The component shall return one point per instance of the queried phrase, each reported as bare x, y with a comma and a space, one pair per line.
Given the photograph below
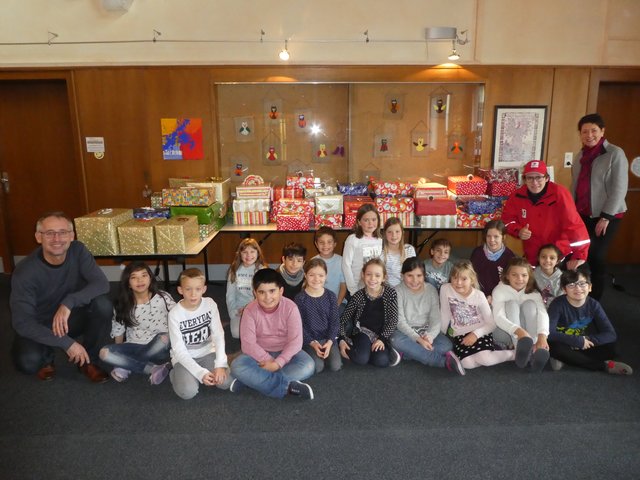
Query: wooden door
619, 105
38, 158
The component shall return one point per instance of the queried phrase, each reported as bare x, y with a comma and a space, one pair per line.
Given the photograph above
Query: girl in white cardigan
521, 316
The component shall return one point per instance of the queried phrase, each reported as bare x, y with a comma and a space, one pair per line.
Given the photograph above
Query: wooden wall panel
112, 104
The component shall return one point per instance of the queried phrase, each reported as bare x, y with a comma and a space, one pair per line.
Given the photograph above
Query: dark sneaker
453, 363
236, 386
301, 390
159, 373
539, 359
47, 373
394, 357
523, 351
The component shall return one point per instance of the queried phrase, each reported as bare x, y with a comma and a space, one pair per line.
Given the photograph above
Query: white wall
514, 32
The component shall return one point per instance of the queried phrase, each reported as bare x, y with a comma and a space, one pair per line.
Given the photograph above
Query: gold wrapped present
136, 236
177, 234
99, 230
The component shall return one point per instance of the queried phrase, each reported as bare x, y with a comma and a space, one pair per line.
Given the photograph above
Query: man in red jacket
542, 212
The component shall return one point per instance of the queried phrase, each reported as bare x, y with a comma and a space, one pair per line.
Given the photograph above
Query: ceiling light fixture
284, 53
454, 53
445, 34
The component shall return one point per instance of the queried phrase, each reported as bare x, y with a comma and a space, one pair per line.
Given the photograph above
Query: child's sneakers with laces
120, 374
301, 390
618, 368
453, 363
159, 373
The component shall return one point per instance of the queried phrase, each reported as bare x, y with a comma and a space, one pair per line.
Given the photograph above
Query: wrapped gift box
349, 220
329, 204
317, 191
137, 236
430, 190
295, 206
351, 203
250, 218
99, 230
498, 175
389, 189
187, 197
474, 220
501, 189
293, 222
251, 205
467, 185
204, 230
333, 221
394, 204
177, 234
353, 189
301, 181
478, 204
287, 192
150, 212
205, 215
438, 221
436, 206
220, 186
254, 191
156, 200
407, 218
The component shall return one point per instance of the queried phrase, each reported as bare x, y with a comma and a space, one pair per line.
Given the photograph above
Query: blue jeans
412, 350
272, 384
360, 352
135, 357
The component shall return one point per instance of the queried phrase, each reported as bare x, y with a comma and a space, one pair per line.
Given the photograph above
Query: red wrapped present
293, 222
349, 220
430, 190
294, 206
501, 189
498, 175
436, 206
467, 185
352, 203
301, 181
329, 220
287, 192
407, 218
394, 204
390, 189
475, 220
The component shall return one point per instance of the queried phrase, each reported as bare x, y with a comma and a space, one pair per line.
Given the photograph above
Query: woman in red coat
541, 212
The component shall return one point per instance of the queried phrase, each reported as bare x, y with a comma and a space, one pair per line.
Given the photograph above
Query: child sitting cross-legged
418, 336
197, 339
580, 331
272, 361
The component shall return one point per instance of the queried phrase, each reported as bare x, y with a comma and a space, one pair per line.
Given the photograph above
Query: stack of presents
304, 201
179, 217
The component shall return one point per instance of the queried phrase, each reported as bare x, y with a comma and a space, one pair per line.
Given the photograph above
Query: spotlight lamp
284, 53
446, 34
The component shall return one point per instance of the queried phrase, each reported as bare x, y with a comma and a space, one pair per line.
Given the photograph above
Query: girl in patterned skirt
466, 314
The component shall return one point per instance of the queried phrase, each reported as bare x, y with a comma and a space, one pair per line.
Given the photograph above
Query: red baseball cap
535, 166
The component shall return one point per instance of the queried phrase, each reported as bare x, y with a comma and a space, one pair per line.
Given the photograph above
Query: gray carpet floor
405, 422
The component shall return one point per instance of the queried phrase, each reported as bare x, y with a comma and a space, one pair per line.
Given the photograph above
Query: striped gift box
250, 218
407, 218
438, 221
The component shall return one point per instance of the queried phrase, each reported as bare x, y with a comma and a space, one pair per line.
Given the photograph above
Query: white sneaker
394, 357
120, 374
555, 364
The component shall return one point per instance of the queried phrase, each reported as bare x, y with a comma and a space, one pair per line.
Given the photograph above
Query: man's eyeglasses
536, 178
581, 284
49, 234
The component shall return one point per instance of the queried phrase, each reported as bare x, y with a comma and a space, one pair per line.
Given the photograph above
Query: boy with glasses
59, 293
580, 331
542, 212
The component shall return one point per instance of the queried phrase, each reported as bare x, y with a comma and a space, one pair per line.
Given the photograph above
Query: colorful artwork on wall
182, 138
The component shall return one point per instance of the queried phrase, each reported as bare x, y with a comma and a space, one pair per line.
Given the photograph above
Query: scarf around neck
493, 256
291, 280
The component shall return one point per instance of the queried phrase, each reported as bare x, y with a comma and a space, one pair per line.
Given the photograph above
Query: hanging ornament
384, 147
271, 153
322, 151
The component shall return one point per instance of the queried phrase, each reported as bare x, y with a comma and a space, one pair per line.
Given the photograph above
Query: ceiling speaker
116, 5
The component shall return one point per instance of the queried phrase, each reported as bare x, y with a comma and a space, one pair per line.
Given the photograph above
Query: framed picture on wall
518, 135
